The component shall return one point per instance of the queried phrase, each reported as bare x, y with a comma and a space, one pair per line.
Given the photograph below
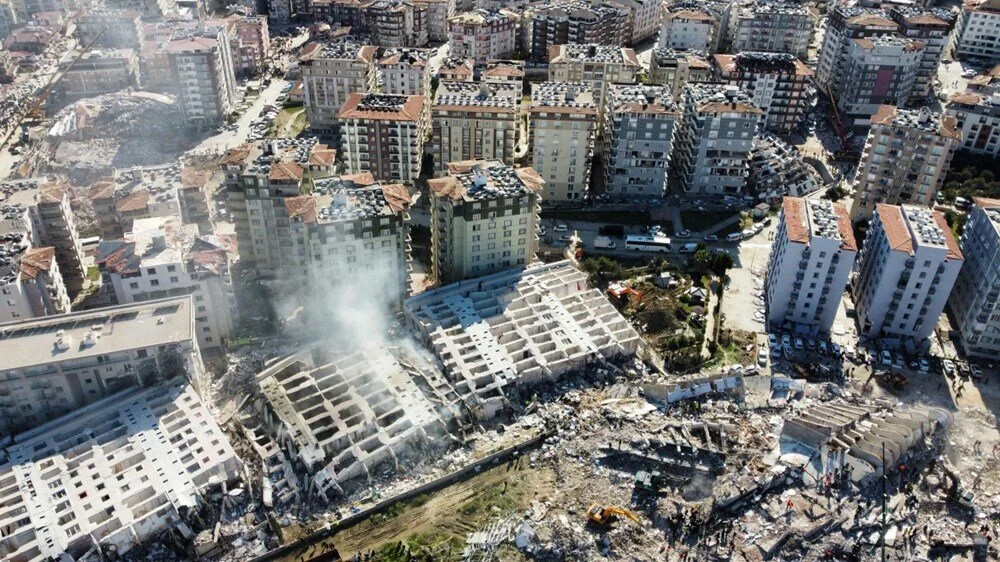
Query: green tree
721, 263
835, 193
702, 261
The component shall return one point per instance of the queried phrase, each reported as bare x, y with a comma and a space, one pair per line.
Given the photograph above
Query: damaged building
520, 326
115, 474
343, 413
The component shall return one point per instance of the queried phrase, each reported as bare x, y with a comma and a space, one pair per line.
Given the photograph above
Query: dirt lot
438, 524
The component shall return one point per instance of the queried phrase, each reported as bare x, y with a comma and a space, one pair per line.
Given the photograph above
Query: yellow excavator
604, 515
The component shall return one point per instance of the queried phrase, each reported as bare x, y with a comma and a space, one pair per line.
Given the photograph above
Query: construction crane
604, 515
35, 111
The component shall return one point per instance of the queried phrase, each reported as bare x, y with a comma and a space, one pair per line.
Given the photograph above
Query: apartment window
155, 283
133, 285
151, 271
171, 268
174, 279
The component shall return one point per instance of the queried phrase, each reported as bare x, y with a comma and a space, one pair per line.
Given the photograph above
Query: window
133, 285
151, 271
155, 283
174, 279
171, 268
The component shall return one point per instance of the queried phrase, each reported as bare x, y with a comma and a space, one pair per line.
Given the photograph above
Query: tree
835, 193
702, 261
721, 263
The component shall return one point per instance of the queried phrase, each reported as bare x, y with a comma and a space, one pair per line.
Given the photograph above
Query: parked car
786, 339
798, 344
948, 367
711, 237
561, 228
836, 348
823, 347
977, 371
762, 356
772, 339
886, 358
811, 344
923, 365
565, 238
683, 234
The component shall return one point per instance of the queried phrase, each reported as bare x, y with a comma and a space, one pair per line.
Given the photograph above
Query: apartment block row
977, 114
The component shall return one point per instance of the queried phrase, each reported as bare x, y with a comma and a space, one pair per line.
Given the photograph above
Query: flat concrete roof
132, 326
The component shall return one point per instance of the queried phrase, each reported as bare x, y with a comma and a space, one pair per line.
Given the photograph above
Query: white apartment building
437, 14
474, 122
977, 33
809, 266
687, 29
772, 27
384, 134
330, 73
202, 65
563, 118
159, 258
503, 71
977, 114
844, 24
639, 127
404, 71
594, 65
675, 68
483, 34
644, 17
905, 159
715, 139
30, 283
54, 365
933, 28
973, 300
454, 68
484, 219
111, 476
906, 269
879, 70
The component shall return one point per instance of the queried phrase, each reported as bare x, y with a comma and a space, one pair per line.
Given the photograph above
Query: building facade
474, 122
563, 118
573, 22
905, 159
384, 134
715, 139
483, 34
484, 219
687, 29
404, 72
977, 117
201, 62
809, 266
594, 65
101, 72
778, 83
773, 28
973, 300
639, 127
31, 285
330, 73
674, 69
976, 33
906, 269
877, 71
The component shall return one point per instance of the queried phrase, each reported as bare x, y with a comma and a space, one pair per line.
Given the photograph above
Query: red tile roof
36, 260
410, 110
894, 225
285, 171
954, 252
848, 242
302, 207
796, 225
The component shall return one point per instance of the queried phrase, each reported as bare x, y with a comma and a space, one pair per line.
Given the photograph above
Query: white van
689, 248
734, 237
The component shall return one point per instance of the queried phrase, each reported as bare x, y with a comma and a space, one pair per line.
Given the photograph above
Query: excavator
604, 515
957, 495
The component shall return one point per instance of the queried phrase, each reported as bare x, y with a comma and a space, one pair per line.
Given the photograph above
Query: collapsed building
342, 413
861, 440
777, 170
521, 326
112, 475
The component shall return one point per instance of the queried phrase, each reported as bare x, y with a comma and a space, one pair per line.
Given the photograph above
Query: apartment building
687, 29
778, 83
484, 219
31, 285
977, 114
457, 69
404, 72
138, 193
639, 125
503, 71
906, 269
714, 140
53, 225
843, 26
905, 159
251, 44
54, 365
438, 12
772, 27
161, 257
880, 70
201, 63
973, 300
259, 179
778, 170
384, 134
933, 28
483, 34
977, 33
330, 73
811, 260
474, 122
675, 68
168, 454
643, 19
573, 22
111, 29
594, 65
396, 23
101, 72
563, 118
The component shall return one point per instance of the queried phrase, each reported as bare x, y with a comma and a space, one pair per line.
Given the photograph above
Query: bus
643, 243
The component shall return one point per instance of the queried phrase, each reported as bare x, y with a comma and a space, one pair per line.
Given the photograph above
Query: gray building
714, 140
638, 138
974, 297
773, 27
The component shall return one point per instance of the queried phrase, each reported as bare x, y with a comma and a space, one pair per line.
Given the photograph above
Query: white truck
689, 248
604, 242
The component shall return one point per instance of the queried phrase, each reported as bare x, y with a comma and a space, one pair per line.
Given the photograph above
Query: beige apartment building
404, 71
484, 217
101, 72
474, 121
330, 73
595, 65
905, 159
201, 62
563, 119
384, 134
483, 34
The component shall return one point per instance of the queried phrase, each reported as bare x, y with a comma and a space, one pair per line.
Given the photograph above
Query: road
225, 140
